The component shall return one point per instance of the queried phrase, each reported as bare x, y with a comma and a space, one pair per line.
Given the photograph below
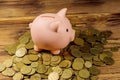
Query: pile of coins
78, 61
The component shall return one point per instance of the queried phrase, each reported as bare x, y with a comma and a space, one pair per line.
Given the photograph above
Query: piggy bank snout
72, 35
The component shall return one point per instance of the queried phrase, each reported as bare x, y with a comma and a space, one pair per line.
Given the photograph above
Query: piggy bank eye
66, 30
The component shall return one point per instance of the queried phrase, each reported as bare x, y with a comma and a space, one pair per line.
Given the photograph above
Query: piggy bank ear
62, 12
55, 26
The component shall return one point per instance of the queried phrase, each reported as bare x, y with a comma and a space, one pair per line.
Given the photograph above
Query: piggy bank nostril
67, 30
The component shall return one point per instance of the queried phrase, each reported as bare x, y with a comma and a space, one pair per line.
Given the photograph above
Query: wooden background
15, 15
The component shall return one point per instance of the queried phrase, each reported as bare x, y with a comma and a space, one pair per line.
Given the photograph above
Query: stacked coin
78, 61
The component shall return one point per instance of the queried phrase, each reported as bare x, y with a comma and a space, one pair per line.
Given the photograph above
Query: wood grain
23, 8
15, 15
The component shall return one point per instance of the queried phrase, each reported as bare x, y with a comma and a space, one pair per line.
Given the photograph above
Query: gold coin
11, 48
32, 51
8, 72
41, 68
15, 68
35, 77
68, 56
32, 71
49, 71
16, 59
18, 76
21, 52
43, 76
102, 56
88, 64
8, 63
77, 64
46, 57
84, 73
2, 67
79, 41
32, 57
25, 38
55, 60
25, 60
94, 70
65, 63
67, 73
94, 78
57, 69
26, 70
34, 64
53, 76
29, 45
19, 65
20, 46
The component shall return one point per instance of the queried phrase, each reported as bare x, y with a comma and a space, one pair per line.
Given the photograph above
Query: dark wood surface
15, 15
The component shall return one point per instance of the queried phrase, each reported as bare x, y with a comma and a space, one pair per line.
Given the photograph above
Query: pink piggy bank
51, 31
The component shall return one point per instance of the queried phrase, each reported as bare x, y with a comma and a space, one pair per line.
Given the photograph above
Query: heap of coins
78, 61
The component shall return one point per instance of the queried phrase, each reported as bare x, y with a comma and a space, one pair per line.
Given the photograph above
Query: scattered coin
19, 65
25, 60
77, 64
20, 46
32, 71
35, 77
29, 45
108, 53
57, 69
33, 57
53, 76
76, 53
98, 63
67, 73
21, 52
79, 41
95, 51
94, 70
2, 67
67, 56
55, 60
87, 56
65, 64
49, 71
18, 76
41, 68
34, 64
8, 63
46, 58
11, 49
26, 70
108, 60
8, 72
84, 73
94, 78
88, 64
102, 56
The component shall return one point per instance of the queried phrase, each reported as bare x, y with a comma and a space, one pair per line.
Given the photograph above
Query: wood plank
20, 8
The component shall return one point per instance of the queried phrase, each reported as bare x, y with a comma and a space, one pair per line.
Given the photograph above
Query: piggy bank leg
36, 48
55, 51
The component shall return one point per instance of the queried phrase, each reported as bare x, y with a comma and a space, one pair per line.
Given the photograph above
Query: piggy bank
51, 31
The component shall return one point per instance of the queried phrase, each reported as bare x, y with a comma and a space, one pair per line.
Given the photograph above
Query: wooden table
15, 15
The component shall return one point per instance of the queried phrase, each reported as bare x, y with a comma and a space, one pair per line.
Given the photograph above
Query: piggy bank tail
30, 25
